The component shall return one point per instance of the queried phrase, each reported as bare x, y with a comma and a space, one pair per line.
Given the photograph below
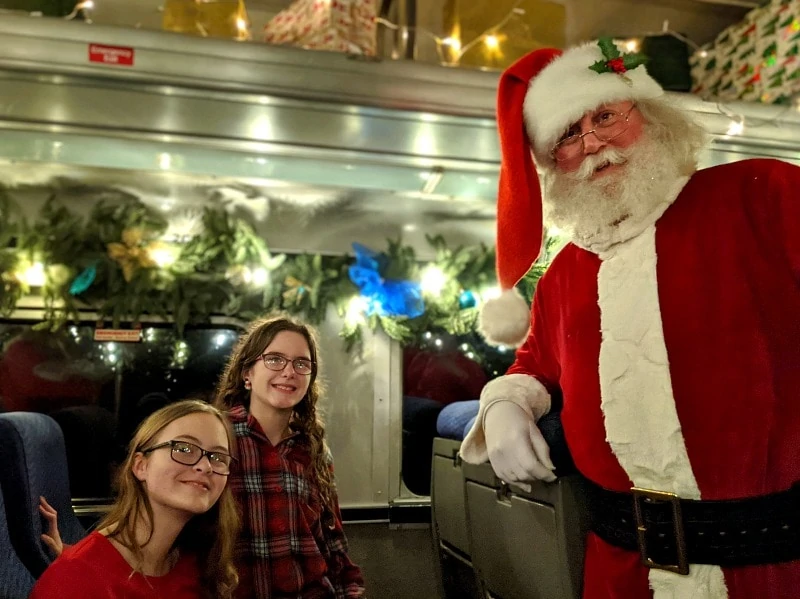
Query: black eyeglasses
190, 454
278, 362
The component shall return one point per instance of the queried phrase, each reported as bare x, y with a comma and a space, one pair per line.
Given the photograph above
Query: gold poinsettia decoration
133, 253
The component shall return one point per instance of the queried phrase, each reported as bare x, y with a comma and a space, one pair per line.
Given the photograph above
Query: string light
432, 280
80, 6
452, 43
33, 275
736, 127
491, 42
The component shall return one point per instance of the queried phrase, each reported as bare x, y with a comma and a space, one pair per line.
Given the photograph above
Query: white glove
517, 450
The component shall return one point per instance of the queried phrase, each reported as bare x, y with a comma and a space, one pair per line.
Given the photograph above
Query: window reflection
99, 392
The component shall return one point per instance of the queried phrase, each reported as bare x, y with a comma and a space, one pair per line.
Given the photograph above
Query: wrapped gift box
753, 60
336, 25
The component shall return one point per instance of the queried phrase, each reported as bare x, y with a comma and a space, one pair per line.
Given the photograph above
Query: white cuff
521, 389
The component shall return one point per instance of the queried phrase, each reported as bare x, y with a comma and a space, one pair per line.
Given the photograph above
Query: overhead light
432, 180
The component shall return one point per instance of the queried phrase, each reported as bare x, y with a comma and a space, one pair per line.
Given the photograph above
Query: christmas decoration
105, 262
338, 25
615, 61
753, 60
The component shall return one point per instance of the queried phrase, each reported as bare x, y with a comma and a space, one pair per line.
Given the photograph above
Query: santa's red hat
538, 98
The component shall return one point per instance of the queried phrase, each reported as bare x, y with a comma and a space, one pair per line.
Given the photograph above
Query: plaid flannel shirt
285, 550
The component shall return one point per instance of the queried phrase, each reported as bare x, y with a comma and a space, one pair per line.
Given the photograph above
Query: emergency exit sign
112, 55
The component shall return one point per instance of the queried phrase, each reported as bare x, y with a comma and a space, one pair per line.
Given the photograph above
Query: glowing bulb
453, 42
703, 54
433, 280
163, 255
241, 24
491, 42
736, 128
260, 276
632, 45
354, 314
164, 161
34, 275
438, 342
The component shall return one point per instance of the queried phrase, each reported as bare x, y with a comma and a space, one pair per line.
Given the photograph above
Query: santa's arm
773, 202
525, 384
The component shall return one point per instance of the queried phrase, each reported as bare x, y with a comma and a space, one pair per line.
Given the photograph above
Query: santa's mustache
592, 162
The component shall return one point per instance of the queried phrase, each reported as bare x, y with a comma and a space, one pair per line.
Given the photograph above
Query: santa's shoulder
745, 170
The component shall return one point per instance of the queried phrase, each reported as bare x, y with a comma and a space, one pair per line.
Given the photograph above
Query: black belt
670, 533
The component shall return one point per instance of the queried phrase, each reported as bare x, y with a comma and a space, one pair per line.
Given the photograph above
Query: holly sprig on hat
615, 61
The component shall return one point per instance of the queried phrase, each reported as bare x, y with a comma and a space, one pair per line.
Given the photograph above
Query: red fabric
94, 569
519, 200
729, 290
442, 376
21, 389
286, 551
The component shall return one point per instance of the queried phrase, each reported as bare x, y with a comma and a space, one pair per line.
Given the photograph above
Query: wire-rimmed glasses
608, 124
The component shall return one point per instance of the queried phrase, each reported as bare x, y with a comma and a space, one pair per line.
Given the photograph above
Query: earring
247, 384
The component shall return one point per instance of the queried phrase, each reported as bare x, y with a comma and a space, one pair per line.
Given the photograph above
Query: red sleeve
537, 355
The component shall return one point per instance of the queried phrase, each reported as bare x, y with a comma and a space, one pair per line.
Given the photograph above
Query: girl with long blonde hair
172, 531
293, 543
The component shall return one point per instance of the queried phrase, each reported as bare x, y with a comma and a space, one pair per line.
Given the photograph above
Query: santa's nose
591, 143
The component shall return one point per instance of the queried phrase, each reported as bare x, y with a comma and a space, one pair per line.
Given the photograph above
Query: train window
443, 370
99, 391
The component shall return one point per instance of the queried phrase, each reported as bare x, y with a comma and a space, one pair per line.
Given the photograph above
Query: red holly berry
617, 65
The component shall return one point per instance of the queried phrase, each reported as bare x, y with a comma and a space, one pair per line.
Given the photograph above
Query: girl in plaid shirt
293, 545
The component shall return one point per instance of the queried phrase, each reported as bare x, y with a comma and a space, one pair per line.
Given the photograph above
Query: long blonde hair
305, 418
210, 536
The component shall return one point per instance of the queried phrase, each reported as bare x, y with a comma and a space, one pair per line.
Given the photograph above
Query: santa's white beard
615, 206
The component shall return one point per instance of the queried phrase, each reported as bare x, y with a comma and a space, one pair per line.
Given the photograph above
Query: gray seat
35, 464
449, 525
16, 581
526, 545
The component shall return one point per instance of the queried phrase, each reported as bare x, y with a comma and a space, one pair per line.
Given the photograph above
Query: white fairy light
356, 307
34, 275
432, 280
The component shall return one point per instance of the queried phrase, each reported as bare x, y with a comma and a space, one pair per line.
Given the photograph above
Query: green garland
106, 262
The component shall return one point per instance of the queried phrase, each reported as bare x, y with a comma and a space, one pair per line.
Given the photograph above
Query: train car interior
119, 116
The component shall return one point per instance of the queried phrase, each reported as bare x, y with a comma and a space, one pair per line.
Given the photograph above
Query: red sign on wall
115, 55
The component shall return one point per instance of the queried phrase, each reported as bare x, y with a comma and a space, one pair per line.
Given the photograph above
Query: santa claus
670, 325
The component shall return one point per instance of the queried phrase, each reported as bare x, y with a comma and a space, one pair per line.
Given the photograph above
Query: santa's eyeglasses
607, 125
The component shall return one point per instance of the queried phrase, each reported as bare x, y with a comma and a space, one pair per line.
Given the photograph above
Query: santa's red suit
677, 352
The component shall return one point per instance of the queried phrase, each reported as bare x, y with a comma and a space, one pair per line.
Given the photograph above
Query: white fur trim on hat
566, 89
505, 320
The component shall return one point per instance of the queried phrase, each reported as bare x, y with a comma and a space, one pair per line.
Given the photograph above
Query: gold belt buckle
652, 496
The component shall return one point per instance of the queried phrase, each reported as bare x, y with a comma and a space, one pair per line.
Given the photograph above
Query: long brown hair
305, 418
210, 536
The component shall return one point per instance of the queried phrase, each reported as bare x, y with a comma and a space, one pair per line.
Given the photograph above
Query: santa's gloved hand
517, 450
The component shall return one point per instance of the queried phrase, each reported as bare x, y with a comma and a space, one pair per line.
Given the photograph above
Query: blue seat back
16, 581
35, 464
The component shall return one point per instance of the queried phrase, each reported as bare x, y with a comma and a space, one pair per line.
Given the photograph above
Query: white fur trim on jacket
637, 401
566, 89
521, 389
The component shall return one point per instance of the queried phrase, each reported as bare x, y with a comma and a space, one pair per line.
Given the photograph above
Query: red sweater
94, 569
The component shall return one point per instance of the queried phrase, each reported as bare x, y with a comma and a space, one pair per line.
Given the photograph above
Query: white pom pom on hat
538, 98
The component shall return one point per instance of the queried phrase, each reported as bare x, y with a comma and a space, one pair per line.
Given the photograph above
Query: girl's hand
52, 538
